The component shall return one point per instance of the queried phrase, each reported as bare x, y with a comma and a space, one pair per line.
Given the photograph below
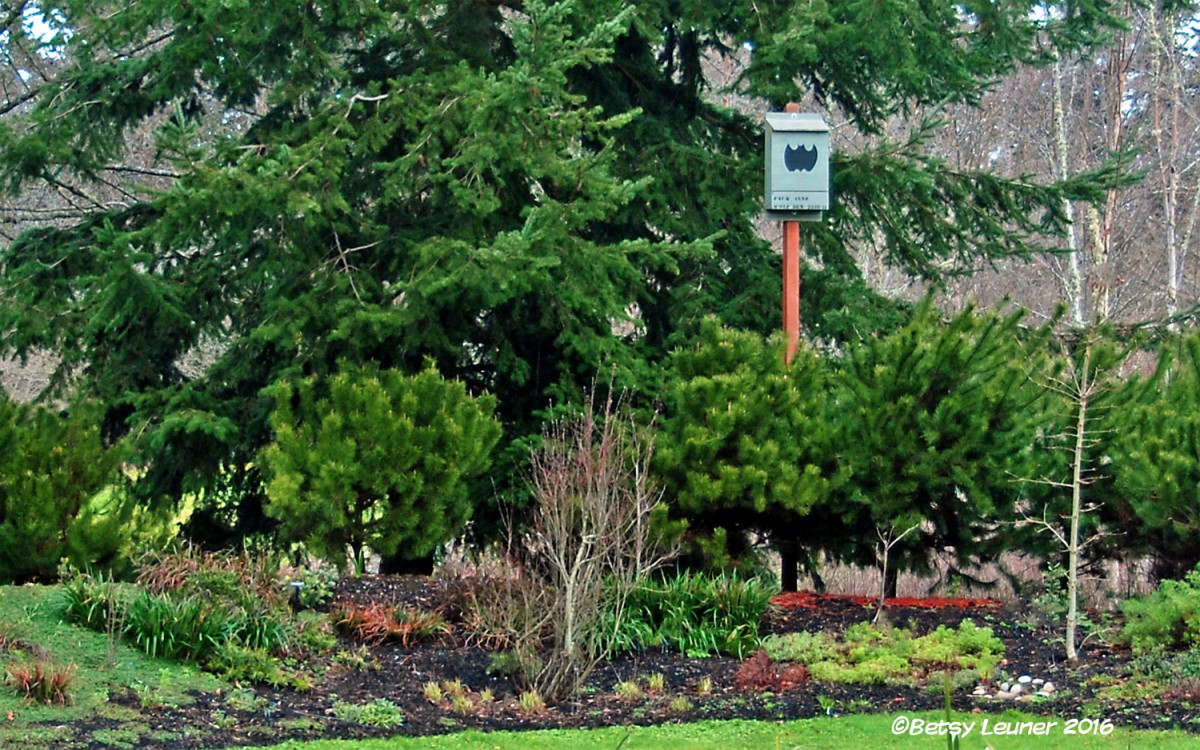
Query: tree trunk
1074, 281
1101, 224
890, 581
1162, 49
789, 565
397, 565
1077, 481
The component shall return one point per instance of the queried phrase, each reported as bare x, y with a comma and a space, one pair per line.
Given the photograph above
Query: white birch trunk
1074, 280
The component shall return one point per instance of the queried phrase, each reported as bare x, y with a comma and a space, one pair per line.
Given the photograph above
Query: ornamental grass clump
379, 623
183, 629
42, 682
531, 702
696, 614
629, 691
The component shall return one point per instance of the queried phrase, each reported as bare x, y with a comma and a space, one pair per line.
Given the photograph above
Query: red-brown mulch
814, 600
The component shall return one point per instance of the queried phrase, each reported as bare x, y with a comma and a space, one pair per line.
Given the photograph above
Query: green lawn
32, 616
858, 732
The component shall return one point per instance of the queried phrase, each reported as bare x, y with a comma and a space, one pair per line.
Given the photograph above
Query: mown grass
32, 615
857, 731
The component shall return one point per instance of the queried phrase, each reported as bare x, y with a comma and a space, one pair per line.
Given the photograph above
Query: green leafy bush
504, 664
1186, 663
50, 467
696, 614
1167, 619
238, 663
312, 633
217, 584
317, 581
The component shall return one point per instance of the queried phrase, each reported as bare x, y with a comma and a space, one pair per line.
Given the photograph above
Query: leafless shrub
560, 595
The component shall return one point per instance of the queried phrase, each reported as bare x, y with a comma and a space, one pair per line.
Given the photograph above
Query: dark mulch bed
399, 675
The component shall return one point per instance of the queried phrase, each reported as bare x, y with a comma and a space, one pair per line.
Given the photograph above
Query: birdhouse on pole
797, 166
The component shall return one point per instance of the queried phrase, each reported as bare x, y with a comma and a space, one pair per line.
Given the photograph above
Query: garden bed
388, 682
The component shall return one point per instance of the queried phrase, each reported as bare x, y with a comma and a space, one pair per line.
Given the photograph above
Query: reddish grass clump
1186, 689
376, 623
759, 674
42, 683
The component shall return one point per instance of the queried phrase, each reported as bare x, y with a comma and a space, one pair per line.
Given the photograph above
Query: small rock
1018, 689
981, 690
1048, 687
1038, 682
1024, 679
1005, 687
1005, 695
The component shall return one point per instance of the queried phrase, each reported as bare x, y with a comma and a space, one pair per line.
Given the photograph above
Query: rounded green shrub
1167, 619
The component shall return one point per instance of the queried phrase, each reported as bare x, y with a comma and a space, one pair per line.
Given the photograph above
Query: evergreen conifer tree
744, 441
1154, 463
935, 423
525, 193
376, 459
50, 467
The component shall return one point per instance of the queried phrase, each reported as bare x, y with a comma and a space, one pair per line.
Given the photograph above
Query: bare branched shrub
561, 598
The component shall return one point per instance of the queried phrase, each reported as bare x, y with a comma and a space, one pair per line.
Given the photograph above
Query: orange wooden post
791, 287
791, 275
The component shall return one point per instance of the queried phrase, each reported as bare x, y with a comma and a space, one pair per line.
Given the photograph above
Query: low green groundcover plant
377, 713
871, 655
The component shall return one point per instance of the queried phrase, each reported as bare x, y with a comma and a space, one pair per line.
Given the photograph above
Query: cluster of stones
1024, 688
